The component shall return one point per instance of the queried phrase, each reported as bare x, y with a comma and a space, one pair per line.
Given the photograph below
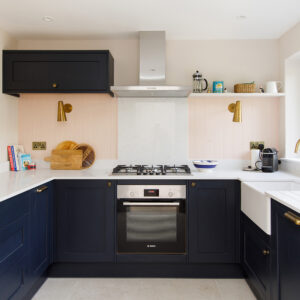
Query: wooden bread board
65, 159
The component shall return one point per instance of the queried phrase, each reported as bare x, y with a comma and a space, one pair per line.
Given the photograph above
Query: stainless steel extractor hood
152, 75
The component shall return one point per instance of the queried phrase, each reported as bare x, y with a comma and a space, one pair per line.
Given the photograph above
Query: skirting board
145, 270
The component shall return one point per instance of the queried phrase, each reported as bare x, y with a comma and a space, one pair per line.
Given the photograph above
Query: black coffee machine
269, 158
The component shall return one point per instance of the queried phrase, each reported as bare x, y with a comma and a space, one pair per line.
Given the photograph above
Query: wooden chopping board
88, 157
65, 159
66, 145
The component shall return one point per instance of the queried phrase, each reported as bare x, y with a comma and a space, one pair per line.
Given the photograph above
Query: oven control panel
151, 191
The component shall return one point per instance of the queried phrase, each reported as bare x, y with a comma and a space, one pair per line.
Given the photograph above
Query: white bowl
205, 165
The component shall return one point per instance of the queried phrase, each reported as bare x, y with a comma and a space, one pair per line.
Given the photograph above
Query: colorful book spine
10, 158
14, 157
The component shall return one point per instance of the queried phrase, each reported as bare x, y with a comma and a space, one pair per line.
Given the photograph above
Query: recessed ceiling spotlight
241, 17
48, 19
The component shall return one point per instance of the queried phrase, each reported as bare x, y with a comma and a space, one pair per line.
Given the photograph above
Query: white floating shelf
234, 95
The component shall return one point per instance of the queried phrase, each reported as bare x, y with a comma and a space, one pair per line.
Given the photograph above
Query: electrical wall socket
254, 145
39, 145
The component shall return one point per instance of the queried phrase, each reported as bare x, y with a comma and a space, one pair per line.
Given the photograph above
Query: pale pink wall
213, 135
93, 121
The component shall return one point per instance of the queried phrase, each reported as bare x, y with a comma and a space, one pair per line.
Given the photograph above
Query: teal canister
218, 86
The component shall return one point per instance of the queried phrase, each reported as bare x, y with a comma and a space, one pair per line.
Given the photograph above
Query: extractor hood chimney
152, 75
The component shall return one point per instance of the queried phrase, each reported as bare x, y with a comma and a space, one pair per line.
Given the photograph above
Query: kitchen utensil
218, 86
65, 159
66, 145
273, 87
88, 157
197, 83
205, 165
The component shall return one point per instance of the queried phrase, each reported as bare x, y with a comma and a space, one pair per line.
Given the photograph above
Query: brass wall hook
236, 109
62, 110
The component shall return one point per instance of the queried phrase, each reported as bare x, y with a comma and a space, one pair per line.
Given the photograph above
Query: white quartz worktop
14, 183
290, 199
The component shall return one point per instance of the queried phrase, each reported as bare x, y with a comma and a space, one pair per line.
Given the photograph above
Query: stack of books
19, 161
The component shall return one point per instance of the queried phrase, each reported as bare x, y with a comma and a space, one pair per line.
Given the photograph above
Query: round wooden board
88, 155
66, 145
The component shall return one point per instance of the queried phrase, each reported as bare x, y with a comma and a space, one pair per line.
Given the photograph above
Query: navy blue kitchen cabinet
64, 71
213, 213
85, 221
14, 246
41, 215
25, 242
285, 253
255, 257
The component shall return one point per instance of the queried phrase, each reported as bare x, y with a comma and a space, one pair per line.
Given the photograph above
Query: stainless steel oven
151, 219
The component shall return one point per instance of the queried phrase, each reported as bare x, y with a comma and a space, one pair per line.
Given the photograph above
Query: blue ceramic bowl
205, 165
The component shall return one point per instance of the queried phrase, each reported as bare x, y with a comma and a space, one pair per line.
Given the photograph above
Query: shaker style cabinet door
40, 229
57, 71
286, 249
213, 213
14, 246
85, 218
255, 257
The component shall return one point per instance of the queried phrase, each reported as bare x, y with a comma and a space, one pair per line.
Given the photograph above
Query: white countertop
290, 199
14, 183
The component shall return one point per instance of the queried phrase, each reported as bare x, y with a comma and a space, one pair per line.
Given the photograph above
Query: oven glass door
151, 226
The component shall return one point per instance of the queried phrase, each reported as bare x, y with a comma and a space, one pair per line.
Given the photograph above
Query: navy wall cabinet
214, 221
85, 218
255, 257
14, 246
29, 71
40, 230
285, 253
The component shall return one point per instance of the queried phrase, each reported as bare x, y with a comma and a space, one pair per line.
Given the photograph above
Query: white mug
272, 87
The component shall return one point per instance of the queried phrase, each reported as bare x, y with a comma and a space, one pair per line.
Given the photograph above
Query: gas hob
151, 170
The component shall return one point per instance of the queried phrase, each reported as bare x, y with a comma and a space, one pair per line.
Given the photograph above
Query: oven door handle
151, 203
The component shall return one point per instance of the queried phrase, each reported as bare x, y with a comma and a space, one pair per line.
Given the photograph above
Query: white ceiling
189, 19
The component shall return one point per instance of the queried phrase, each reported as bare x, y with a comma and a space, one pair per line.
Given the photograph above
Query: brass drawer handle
266, 252
41, 189
292, 217
109, 184
54, 85
193, 184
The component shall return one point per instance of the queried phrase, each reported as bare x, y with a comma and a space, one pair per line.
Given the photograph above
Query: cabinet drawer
13, 280
14, 208
14, 242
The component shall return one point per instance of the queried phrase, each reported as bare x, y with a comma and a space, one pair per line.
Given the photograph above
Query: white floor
143, 289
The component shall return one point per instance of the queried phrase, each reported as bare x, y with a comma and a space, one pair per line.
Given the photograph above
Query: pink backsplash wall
93, 121
212, 134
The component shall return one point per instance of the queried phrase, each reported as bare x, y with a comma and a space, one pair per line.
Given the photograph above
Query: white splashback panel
152, 131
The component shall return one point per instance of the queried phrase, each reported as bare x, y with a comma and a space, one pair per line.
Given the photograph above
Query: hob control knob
171, 194
131, 194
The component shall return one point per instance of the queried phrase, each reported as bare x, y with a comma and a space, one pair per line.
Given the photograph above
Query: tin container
218, 86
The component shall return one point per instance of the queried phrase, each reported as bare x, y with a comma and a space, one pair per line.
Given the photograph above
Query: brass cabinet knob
41, 189
54, 85
292, 217
266, 252
109, 184
193, 184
